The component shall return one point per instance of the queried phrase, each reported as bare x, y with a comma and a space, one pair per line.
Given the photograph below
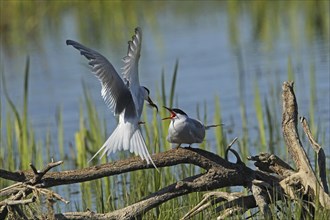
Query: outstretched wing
131, 60
114, 92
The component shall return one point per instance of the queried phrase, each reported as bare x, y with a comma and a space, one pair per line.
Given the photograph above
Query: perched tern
124, 96
185, 130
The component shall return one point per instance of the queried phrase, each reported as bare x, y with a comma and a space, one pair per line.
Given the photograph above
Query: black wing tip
69, 42
84, 51
138, 34
138, 30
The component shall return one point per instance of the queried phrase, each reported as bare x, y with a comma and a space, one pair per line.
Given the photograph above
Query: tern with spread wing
185, 130
124, 96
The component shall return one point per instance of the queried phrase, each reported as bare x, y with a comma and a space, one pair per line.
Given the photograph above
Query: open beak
172, 113
152, 104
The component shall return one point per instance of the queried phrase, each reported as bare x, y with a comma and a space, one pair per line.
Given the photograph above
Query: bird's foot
141, 122
177, 147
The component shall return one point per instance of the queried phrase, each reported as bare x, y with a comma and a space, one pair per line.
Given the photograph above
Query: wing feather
114, 91
197, 130
131, 61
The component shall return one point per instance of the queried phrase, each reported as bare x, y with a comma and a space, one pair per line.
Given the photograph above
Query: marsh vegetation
246, 97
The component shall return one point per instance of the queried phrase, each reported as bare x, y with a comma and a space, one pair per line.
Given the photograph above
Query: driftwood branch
219, 173
260, 194
321, 159
290, 180
270, 163
198, 157
212, 198
305, 177
273, 180
20, 191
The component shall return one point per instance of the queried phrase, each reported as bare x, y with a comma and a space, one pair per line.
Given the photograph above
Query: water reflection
98, 22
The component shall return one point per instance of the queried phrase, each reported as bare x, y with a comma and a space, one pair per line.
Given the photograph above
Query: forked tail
126, 136
139, 147
112, 144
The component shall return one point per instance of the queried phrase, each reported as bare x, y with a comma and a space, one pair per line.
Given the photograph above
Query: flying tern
124, 96
185, 130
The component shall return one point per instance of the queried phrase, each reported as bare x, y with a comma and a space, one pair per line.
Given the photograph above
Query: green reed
118, 191
290, 70
220, 133
21, 131
60, 131
260, 117
312, 102
21, 17
243, 141
271, 128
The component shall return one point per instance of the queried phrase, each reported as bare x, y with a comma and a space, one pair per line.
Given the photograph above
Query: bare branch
21, 190
228, 149
39, 174
270, 163
239, 205
48, 192
321, 159
238, 158
289, 126
305, 176
18, 202
210, 199
261, 198
195, 156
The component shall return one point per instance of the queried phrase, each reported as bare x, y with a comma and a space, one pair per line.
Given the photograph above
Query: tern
124, 96
185, 130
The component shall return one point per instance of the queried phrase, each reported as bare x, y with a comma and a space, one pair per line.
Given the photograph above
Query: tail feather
122, 139
104, 146
126, 139
212, 126
138, 144
112, 144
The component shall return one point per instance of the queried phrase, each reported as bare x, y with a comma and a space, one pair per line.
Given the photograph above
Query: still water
220, 57
213, 62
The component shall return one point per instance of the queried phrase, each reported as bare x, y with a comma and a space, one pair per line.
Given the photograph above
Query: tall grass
312, 102
21, 134
243, 142
23, 19
290, 70
118, 191
60, 131
260, 117
220, 133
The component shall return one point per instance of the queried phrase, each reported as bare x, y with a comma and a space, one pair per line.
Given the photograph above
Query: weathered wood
210, 199
271, 163
198, 157
274, 180
219, 173
261, 196
305, 177
321, 159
